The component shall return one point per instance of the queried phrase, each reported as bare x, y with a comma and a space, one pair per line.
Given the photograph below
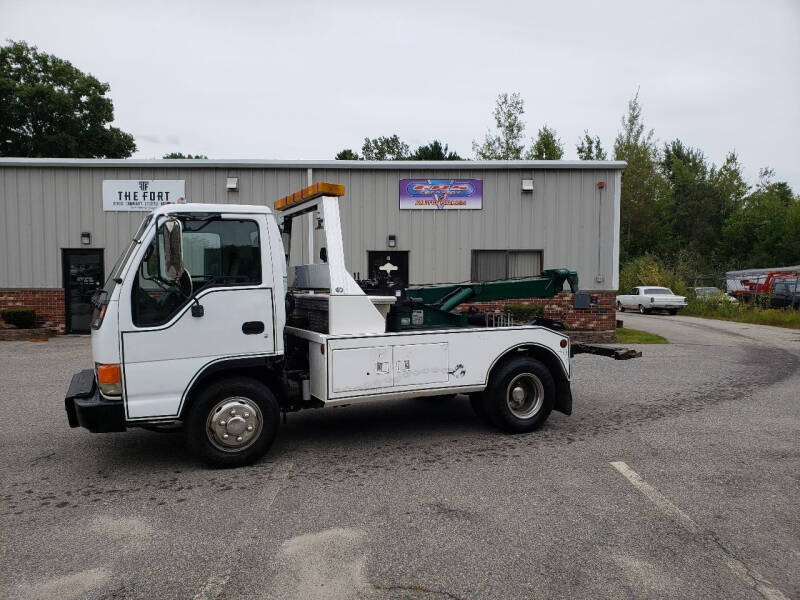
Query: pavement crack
415, 588
746, 573
43, 457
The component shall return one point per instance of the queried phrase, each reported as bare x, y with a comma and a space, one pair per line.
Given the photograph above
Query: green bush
648, 270
21, 318
524, 312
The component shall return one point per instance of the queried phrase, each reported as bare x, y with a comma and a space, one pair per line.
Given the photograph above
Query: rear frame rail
615, 353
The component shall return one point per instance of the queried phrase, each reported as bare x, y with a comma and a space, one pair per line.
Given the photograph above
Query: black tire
620, 308
476, 402
539, 391
672, 311
238, 395
643, 310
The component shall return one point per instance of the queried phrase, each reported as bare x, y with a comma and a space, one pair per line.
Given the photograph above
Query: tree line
694, 216
679, 210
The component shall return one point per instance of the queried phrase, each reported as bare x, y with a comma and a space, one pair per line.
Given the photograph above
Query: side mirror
172, 242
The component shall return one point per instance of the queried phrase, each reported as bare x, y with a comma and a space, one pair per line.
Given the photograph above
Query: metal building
61, 228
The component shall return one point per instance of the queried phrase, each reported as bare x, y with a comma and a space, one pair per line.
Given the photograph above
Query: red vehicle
762, 289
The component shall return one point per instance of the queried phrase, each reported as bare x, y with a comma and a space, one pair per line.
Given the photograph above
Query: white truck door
164, 346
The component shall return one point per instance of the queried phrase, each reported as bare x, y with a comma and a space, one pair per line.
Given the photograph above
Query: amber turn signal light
108, 374
109, 378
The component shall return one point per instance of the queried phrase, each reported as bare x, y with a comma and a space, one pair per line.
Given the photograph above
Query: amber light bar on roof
321, 188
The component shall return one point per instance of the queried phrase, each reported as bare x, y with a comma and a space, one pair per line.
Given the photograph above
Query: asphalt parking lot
676, 476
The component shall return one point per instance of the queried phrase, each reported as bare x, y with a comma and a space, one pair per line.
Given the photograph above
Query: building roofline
450, 165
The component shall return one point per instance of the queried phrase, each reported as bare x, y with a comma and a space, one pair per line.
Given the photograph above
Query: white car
646, 298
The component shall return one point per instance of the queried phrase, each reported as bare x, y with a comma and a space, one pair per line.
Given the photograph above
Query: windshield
653, 291
108, 288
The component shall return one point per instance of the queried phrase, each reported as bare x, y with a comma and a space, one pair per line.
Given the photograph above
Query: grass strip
634, 336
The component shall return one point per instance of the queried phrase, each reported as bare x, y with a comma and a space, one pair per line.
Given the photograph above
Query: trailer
197, 328
774, 289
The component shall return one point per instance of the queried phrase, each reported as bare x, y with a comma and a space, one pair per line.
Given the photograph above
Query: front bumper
87, 408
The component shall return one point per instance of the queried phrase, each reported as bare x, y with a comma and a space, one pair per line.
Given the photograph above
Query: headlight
109, 378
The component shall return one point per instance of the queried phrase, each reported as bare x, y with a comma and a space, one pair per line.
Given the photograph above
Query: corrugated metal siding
560, 218
44, 209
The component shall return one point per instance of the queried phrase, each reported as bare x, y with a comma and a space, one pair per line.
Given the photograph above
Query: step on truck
197, 329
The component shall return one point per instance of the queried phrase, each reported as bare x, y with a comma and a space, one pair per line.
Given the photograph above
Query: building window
216, 254
489, 265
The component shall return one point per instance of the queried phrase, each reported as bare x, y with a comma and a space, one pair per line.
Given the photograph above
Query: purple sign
441, 194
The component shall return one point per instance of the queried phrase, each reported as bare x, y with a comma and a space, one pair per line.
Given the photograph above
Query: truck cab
199, 328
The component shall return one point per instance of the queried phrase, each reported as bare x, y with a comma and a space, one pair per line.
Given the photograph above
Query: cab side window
216, 253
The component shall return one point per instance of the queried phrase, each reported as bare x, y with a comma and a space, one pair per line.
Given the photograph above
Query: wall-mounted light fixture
86, 238
527, 185
391, 241
232, 184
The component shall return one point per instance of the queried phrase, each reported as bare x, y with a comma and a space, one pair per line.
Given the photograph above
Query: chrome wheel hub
525, 396
234, 424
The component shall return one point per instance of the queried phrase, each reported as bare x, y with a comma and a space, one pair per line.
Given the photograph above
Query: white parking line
743, 571
215, 584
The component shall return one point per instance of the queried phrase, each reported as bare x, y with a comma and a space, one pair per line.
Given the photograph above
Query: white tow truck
196, 329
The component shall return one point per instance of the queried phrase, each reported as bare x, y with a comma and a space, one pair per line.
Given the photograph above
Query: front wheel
520, 394
643, 310
233, 422
620, 308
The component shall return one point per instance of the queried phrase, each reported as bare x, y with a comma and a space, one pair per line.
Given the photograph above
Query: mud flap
563, 401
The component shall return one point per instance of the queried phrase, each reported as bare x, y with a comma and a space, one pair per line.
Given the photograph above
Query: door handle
253, 327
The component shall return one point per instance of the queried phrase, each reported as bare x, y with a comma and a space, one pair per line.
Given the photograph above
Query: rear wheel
673, 311
643, 310
520, 395
233, 422
620, 308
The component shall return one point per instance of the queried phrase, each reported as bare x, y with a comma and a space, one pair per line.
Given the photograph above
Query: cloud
146, 137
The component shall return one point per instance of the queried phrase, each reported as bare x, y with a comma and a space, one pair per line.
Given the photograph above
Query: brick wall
48, 304
594, 324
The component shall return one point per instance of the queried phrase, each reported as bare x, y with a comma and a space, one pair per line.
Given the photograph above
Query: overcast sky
294, 79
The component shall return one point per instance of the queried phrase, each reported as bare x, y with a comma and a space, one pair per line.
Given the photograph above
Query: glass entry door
83, 274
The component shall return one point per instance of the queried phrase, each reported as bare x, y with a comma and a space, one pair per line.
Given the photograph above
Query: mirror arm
158, 250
